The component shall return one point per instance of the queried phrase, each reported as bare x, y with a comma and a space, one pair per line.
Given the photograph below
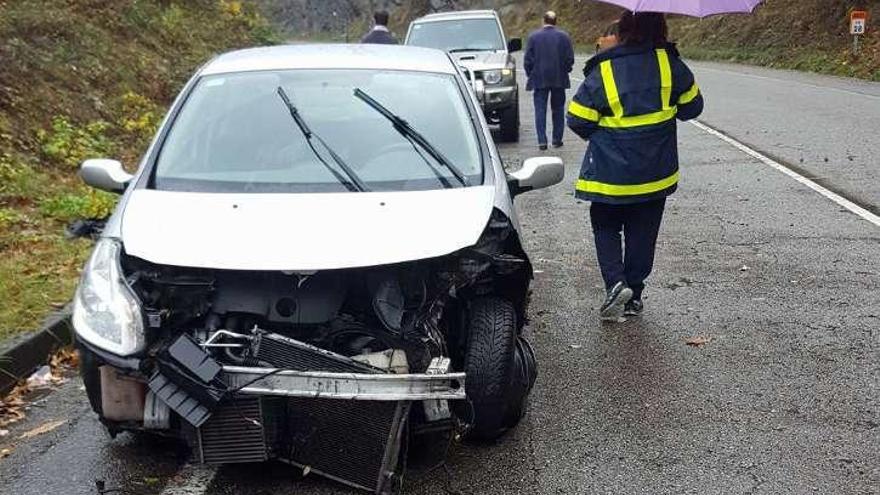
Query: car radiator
291, 354
236, 432
351, 441
354, 442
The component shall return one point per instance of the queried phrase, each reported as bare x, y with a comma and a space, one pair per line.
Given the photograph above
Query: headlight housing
492, 76
105, 311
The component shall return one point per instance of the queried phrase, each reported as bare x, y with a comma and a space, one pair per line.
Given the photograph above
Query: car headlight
492, 76
105, 311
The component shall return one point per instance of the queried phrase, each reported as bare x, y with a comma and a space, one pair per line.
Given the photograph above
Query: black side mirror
514, 45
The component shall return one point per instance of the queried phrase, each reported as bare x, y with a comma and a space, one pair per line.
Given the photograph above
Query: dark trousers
640, 223
557, 108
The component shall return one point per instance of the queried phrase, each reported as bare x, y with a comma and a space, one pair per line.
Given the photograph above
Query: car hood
302, 232
481, 60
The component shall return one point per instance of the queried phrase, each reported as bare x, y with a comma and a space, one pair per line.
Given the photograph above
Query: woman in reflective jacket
627, 107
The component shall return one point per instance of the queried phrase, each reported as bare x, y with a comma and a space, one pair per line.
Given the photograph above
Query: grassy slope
86, 78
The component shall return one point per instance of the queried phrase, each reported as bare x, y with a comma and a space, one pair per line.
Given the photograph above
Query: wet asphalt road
785, 398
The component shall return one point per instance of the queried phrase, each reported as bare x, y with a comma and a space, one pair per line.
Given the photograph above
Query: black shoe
558, 145
618, 296
542, 147
634, 308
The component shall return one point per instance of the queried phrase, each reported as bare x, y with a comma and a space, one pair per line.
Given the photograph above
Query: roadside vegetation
810, 35
84, 79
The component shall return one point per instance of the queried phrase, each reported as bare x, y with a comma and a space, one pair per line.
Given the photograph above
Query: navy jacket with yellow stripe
627, 107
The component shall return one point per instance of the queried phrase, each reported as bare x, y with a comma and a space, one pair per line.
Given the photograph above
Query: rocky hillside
801, 34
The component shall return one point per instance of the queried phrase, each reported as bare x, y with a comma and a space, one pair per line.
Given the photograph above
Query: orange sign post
858, 23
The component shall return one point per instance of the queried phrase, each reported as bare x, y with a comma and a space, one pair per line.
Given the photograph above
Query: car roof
332, 56
460, 14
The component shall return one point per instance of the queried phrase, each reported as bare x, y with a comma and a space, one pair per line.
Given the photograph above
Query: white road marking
840, 200
850, 92
192, 479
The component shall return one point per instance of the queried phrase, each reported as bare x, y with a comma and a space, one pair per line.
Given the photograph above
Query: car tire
525, 372
489, 365
509, 121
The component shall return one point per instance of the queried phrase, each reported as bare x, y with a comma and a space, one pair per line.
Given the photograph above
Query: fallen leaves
12, 406
65, 358
698, 341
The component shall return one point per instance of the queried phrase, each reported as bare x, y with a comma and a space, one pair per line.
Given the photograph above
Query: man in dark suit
380, 33
549, 58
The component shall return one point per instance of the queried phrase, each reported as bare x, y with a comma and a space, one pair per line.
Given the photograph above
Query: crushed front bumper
351, 386
349, 426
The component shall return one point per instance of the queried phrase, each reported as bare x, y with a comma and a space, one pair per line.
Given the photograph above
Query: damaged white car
318, 261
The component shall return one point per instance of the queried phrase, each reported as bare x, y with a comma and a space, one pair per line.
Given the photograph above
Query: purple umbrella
694, 8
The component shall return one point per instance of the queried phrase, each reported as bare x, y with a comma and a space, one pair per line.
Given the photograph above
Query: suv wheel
510, 124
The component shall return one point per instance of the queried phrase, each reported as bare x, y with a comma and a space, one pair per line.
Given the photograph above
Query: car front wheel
499, 373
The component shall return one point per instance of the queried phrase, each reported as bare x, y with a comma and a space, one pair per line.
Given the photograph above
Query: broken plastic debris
307, 470
3, 433
744, 268
43, 377
5, 453
575, 346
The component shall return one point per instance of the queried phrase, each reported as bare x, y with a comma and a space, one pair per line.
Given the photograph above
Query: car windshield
235, 134
462, 34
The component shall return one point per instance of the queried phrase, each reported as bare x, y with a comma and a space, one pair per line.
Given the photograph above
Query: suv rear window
457, 34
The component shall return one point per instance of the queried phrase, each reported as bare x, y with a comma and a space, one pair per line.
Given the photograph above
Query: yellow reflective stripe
583, 112
665, 78
590, 186
639, 120
689, 95
611, 89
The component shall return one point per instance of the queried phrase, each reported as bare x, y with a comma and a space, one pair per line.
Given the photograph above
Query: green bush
139, 119
67, 207
69, 145
8, 217
18, 180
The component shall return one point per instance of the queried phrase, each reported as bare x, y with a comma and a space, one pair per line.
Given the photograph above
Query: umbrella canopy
693, 8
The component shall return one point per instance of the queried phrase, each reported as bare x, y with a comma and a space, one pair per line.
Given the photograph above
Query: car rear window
457, 34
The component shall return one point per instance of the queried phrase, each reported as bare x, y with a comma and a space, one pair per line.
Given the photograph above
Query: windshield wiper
353, 182
410, 133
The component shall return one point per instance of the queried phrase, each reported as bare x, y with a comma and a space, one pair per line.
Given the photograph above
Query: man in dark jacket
548, 60
627, 107
380, 34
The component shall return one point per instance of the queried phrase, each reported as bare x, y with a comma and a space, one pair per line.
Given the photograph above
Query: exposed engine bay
340, 372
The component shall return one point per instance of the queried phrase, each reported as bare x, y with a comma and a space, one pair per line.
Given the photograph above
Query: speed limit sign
857, 22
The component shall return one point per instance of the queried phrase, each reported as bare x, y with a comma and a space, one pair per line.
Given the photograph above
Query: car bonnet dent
302, 232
